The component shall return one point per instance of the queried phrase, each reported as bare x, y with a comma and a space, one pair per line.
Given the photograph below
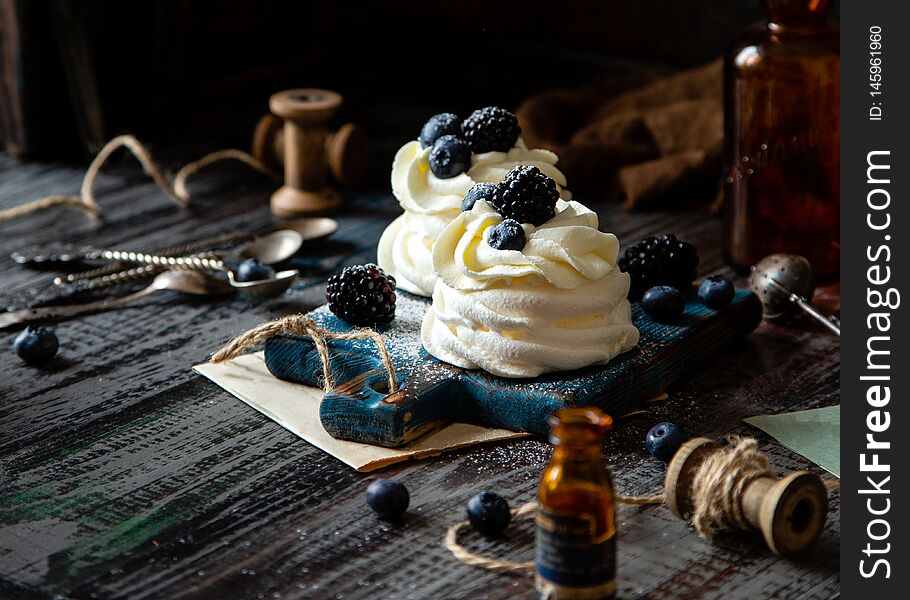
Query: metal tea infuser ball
783, 282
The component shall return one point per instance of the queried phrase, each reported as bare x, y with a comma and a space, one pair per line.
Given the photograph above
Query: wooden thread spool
790, 512
297, 135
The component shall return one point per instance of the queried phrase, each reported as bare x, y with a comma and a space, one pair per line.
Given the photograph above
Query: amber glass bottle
782, 138
576, 528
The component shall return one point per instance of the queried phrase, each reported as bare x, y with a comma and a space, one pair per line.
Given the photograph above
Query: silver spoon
273, 247
783, 282
311, 228
187, 282
278, 245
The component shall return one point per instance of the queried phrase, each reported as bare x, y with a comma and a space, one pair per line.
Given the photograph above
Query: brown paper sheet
296, 408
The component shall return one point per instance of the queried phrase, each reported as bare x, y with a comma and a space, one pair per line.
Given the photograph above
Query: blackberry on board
491, 128
656, 261
362, 295
526, 195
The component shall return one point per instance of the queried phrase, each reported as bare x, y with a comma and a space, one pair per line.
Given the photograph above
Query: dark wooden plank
124, 475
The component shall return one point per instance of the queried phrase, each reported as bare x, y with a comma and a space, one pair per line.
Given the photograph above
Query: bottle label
571, 561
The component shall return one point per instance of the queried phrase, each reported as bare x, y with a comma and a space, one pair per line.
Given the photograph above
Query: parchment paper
296, 408
814, 434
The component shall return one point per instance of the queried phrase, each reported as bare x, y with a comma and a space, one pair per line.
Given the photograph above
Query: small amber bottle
782, 138
576, 526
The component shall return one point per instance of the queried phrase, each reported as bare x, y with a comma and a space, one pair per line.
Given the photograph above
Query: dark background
74, 73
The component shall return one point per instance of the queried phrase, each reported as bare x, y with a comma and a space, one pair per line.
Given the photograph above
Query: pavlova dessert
527, 284
432, 175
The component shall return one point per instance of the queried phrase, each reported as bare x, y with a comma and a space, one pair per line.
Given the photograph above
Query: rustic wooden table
124, 474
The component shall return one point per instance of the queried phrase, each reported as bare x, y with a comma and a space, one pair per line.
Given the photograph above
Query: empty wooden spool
296, 138
790, 511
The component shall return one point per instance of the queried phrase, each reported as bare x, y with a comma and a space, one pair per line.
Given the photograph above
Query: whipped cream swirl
430, 203
558, 304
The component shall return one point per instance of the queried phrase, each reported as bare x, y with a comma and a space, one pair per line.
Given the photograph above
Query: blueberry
388, 497
438, 126
36, 345
716, 292
477, 191
663, 303
507, 235
664, 440
253, 270
449, 157
489, 513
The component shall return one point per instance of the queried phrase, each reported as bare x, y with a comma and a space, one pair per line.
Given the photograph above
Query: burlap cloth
640, 139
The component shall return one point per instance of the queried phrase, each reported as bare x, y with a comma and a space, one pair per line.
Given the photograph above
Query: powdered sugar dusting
402, 335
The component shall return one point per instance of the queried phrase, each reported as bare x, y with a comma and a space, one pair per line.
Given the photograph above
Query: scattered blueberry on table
438, 126
388, 498
449, 157
477, 191
664, 439
36, 345
664, 260
716, 292
663, 303
507, 235
253, 270
362, 295
491, 128
489, 513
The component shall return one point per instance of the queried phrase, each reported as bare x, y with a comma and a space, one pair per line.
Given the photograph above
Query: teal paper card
814, 434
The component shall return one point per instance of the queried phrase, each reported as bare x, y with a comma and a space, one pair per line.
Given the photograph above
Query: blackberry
362, 295
490, 128
660, 261
438, 126
477, 191
526, 195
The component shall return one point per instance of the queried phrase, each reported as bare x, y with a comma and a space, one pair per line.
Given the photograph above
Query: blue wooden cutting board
432, 393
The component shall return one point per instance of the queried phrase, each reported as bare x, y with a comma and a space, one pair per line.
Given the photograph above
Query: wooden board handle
360, 408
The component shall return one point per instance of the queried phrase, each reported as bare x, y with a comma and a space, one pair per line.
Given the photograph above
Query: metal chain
128, 275
194, 262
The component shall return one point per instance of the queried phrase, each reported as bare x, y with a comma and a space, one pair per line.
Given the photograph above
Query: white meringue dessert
558, 304
430, 203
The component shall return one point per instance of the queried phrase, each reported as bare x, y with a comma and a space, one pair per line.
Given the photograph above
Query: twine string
177, 191
720, 481
302, 325
495, 564
190, 169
